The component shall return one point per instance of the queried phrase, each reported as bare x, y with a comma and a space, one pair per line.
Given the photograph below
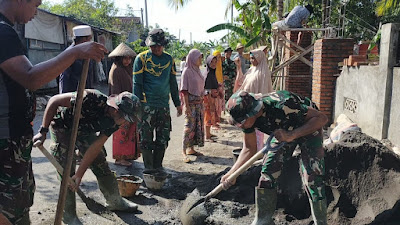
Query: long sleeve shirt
154, 79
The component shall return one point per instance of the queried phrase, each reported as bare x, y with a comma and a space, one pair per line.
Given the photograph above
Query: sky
194, 18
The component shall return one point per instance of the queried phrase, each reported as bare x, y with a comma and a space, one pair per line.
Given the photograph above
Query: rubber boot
318, 212
24, 220
148, 159
265, 206
69, 216
158, 157
109, 187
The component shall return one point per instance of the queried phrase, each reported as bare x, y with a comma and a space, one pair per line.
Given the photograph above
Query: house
48, 34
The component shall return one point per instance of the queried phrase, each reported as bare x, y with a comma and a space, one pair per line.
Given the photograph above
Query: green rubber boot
158, 157
318, 212
69, 216
109, 187
148, 159
265, 206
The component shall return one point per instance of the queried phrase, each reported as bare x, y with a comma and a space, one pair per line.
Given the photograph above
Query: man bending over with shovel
99, 114
294, 120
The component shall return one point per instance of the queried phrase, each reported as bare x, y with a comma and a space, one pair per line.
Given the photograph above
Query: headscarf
211, 79
192, 80
218, 70
258, 78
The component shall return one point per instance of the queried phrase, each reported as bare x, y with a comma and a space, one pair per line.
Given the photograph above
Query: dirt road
154, 207
362, 178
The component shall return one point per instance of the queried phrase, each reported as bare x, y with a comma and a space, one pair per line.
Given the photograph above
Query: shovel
196, 213
90, 203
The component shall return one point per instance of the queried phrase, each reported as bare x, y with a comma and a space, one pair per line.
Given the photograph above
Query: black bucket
235, 153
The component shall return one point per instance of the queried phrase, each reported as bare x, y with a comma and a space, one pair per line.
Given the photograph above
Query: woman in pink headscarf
192, 90
258, 81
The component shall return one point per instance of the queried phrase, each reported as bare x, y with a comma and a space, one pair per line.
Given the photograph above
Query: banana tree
255, 23
387, 6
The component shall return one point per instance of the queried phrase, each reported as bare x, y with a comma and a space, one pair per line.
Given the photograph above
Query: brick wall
327, 54
298, 77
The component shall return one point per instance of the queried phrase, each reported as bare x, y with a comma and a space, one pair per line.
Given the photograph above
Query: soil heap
363, 187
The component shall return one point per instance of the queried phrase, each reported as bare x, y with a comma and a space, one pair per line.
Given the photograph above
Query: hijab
258, 78
211, 79
218, 70
192, 80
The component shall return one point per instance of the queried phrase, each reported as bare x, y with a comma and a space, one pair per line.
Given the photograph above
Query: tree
255, 23
102, 12
385, 7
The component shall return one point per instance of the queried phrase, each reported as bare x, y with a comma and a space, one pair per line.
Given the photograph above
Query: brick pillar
327, 54
298, 77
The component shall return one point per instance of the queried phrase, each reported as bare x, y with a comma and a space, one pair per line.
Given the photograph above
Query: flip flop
212, 136
195, 153
186, 159
210, 140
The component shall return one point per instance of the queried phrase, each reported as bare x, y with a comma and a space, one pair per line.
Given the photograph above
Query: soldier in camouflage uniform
229, 72
154, 80
292, 119
99, 114
18, 81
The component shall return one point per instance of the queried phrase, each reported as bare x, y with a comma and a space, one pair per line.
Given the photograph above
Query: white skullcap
82, 30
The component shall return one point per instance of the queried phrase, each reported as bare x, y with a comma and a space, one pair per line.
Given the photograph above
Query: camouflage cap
242, 105
127, 104
156, 37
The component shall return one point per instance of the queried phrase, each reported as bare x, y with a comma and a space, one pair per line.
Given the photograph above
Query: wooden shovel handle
54, 162
235, 174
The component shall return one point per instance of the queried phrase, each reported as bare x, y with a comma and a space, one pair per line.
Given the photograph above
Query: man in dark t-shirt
99, 114
292, 119
18, 78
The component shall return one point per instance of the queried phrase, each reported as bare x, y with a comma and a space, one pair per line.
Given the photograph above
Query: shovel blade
193, 210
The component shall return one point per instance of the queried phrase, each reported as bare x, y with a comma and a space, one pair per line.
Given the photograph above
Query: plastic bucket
154, 180
235, 153
128, 185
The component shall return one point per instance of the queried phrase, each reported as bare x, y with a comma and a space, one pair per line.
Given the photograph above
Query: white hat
82, 30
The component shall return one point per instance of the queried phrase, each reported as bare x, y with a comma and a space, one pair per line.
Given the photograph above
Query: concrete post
388, 49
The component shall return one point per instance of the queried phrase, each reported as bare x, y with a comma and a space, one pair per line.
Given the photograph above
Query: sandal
196, 153
186, 159
212, 136
210, 140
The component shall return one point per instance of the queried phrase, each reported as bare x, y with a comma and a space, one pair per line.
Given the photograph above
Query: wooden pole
74, 131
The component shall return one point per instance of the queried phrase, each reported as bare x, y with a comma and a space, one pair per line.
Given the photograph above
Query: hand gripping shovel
196, 213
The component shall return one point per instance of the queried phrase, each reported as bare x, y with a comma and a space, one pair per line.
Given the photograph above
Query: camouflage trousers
154, 120
312, 165
59, 148
17, 184
158, 120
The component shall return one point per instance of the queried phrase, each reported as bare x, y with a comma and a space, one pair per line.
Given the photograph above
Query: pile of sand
363, 187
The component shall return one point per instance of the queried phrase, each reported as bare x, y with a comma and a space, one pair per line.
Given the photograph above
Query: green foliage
137, 47
387, 7
99, 13
253, 27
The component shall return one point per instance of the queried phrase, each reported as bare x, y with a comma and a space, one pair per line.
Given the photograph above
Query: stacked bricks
298, 77
327, 54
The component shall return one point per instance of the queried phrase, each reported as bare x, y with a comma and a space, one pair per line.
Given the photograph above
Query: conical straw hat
122, 50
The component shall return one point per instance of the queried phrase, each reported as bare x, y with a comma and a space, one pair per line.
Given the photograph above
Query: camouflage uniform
154, 81
93, 119
17, 110
284, 110
229, 72
17, 184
